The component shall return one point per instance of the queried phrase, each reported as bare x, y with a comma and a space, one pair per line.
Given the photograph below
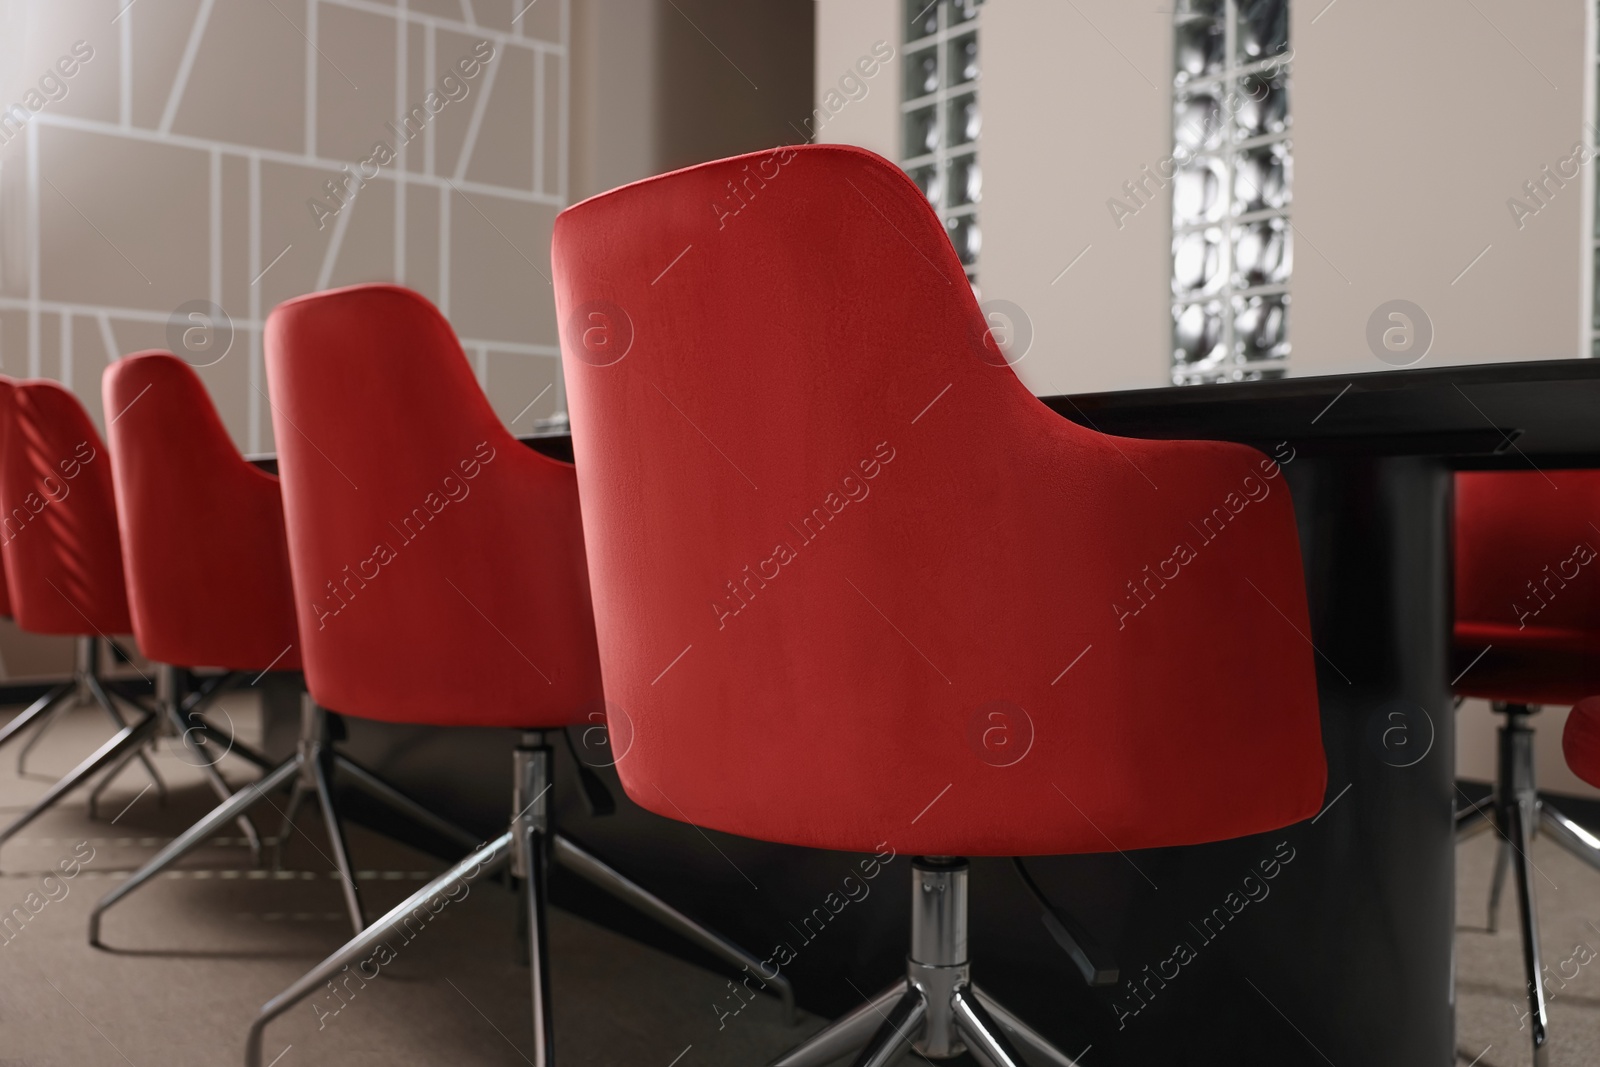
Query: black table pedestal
1377, 912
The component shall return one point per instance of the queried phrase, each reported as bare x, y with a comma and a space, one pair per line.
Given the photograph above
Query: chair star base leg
845, 1034
58, 702
1517, 817
530, 859
1570, 835
522, 847
371, 783
358, 949
935, 1010
1516, 813
307, 771
211, 824
581, 862
527, 848
40, 708
185, 723
128, 738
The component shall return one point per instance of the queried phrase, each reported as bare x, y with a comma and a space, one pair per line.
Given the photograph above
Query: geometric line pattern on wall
471, 102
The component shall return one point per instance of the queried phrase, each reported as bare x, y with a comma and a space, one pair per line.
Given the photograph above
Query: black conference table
1367, 974
1348, 959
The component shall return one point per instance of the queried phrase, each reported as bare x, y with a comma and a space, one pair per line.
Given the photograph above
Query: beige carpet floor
1490, 995
194, 954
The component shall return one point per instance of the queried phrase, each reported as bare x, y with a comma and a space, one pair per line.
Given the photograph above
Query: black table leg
1377, 916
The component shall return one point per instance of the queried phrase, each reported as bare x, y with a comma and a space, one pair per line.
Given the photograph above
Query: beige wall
662, 84
614, 71
735, 77
178, 164
1402, 177
183, 158
179, 160
846, 31
1069, 116
1413, 125
1066, 120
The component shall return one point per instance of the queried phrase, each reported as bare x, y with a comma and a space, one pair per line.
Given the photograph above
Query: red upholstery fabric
438, 563
6, 386
203, 547
1580, 741
855, 584
1527, 585
63, 564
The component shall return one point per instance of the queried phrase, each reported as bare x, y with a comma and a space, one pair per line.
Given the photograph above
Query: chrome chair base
83, 687
1517, 814
127, 744
181, 718
188, 724
311, 769
527, 846
935, 1010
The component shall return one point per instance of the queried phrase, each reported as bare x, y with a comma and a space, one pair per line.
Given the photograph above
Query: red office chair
1580, 743
858, 589
7, 385
1527, 632
58, 539
439, 572
208, 582
50, 700
66, 696
200, 531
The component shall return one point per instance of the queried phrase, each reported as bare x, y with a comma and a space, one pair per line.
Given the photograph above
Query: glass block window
940, 120
1232, 164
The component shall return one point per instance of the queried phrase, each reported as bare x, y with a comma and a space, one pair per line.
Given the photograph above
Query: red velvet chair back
59, 529
203, 548
1527, 584
438, 562
855, 584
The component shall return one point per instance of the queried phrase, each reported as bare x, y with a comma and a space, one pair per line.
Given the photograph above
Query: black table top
1485, 415
1536, 412
556, 445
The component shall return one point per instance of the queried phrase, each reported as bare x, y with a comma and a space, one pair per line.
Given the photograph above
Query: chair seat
1544, 665
1526, 601
1581, 740
1531, 639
